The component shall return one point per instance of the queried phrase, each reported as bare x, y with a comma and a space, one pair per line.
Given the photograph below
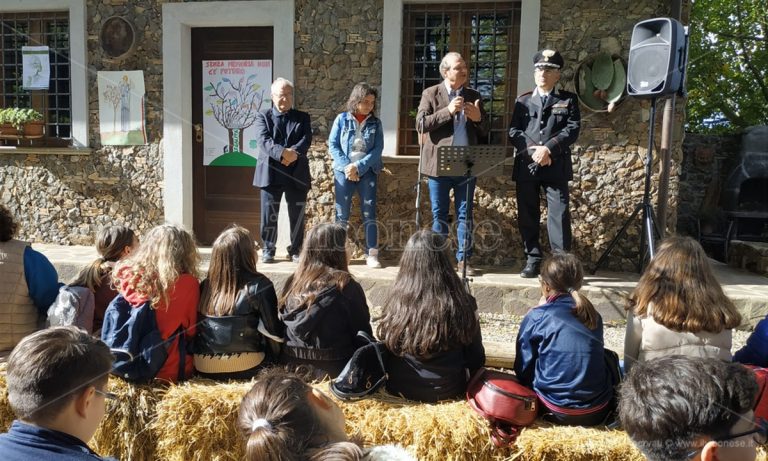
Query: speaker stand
650, 231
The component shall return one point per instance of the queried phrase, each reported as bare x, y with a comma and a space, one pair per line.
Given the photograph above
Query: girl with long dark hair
238, 328
430, 325
322, 305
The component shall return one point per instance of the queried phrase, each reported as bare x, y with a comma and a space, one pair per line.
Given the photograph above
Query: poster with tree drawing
234, 91
121, 108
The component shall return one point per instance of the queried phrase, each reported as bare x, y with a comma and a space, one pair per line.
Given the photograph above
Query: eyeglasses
760, 436
106, 395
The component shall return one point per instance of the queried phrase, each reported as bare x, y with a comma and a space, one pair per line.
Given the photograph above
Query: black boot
530, 270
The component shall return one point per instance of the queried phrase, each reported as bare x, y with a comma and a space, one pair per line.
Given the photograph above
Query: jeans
439, 189
366, 190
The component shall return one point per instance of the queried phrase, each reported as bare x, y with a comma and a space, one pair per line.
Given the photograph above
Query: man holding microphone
451, 114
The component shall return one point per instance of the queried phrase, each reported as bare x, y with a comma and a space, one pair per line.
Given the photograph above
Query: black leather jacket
256, 304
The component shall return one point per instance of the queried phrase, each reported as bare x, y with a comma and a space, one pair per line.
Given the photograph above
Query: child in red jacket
163, 270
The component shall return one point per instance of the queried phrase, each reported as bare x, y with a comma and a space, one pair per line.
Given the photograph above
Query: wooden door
224, 194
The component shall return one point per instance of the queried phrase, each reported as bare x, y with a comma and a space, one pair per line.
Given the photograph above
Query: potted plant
15, 122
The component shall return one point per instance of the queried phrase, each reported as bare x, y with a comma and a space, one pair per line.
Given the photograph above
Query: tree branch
738, 37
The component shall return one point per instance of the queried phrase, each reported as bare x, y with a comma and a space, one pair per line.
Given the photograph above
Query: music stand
469, 161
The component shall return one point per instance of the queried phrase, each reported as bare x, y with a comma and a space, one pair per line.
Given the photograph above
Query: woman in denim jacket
356, 142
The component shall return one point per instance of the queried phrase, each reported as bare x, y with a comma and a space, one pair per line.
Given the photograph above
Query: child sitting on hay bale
113, 243
163, 270
691, 408
560, 351
283, 418
56, 387
322, 305
678, 307
430, 325
239, 328
28, 284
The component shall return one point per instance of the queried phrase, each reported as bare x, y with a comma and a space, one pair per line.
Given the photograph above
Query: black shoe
530, 270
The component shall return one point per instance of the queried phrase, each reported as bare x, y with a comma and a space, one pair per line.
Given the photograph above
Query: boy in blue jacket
56, 387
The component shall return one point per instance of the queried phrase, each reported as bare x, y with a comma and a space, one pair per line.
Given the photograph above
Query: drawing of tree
112, 95
235, 106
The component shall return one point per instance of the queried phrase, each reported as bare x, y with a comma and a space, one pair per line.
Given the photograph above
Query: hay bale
125, 430
576, 444
6, 414
444, 431
197, 421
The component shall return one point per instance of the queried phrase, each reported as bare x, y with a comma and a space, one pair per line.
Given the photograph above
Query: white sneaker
372, 260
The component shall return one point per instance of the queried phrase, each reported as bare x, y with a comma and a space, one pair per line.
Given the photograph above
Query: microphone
459, 94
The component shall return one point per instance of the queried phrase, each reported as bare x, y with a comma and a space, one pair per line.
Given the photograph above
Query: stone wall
707, 160
61, 199
67, 198
608, 158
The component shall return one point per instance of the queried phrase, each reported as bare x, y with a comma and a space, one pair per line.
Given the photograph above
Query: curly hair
165, 253
8, 226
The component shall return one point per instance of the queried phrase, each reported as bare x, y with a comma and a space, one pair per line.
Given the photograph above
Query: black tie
282, 123
544, 101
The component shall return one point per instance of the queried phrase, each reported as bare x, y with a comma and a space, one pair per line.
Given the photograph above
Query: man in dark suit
545, 122
450, 114
283, 135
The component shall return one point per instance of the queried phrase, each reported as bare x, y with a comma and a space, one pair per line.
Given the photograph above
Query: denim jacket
343, 135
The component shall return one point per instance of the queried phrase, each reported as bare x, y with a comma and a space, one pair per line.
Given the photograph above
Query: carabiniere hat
548, 58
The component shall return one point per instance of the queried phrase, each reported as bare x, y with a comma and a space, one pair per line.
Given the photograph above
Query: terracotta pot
34, 129
8, 131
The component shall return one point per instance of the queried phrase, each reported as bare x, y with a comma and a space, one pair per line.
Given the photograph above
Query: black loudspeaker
656, 58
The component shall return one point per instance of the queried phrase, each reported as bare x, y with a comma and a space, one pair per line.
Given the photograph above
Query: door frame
178, 19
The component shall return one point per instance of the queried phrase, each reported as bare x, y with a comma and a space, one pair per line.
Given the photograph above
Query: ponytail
585, 311
564, 273
90, 276
279, 423
111, 241
265, 443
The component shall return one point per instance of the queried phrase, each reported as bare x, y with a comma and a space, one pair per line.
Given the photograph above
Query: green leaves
728, 65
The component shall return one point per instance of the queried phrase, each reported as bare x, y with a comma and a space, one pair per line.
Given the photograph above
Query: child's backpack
134, 338
73, 306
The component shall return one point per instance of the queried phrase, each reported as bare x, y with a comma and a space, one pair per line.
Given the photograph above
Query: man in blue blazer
283, 135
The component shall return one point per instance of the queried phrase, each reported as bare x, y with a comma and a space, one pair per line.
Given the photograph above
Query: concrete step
497, 289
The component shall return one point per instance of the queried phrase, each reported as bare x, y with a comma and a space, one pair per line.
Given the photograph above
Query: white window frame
391, 60
78, 61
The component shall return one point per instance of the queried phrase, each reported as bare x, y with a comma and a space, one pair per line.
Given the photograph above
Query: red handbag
506, 404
